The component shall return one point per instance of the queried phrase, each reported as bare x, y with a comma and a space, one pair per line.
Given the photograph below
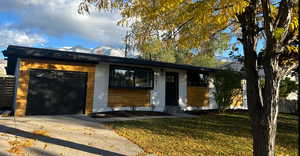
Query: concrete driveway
74, 135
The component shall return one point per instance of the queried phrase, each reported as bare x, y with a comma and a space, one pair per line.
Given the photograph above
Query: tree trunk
263, 137
262, 102
264, 124
263, 108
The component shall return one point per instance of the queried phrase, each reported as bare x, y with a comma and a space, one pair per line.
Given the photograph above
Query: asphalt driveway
74, 135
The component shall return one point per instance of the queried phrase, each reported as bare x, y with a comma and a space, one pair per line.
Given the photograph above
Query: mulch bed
215, 111
128, 114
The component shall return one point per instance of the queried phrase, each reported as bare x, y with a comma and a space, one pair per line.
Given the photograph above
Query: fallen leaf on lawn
18, 145
45, 146
40, 132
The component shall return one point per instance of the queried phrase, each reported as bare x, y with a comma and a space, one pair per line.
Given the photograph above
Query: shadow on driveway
47, 139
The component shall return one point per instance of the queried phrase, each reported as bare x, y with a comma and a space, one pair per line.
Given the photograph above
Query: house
2, 68
59, 82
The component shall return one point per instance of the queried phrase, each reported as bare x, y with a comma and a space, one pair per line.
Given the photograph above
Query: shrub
228, 84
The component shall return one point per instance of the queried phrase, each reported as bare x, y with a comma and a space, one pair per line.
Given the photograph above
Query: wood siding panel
23, 80
128, 98
197, 96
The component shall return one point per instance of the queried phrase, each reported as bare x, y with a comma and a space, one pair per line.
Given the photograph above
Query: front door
172, 89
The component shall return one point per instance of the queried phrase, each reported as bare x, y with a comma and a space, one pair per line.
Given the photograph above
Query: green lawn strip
211, 134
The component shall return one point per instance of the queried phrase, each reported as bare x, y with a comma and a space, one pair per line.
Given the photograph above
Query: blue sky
56, 24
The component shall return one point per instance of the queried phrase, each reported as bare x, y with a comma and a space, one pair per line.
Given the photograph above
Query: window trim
113, 67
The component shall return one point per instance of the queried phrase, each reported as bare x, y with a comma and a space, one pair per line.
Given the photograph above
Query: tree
228, 84
204, 55
157, 51
190, 23
287, 86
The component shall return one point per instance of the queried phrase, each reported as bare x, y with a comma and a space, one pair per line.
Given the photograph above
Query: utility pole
126, 44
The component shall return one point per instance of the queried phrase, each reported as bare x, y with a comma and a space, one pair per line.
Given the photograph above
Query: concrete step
173, 109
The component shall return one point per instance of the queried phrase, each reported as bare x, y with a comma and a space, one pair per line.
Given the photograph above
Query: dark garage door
56, 92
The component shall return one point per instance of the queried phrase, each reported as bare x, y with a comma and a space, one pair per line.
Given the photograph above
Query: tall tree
155, 48
190, 23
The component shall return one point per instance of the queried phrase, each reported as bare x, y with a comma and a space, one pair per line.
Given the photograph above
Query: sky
56, 24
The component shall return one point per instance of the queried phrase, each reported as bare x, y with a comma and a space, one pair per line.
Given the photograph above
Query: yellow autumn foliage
186, 23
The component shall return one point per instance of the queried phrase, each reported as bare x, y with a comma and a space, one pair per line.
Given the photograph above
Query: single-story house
61, 82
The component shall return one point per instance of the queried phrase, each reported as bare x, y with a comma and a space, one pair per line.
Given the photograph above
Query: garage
54, 92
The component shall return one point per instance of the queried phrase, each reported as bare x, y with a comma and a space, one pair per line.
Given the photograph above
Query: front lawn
208, 134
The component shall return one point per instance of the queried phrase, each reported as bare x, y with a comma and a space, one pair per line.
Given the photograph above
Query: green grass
210, 134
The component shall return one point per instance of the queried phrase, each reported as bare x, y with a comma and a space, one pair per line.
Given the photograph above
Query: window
128, 77
197, 79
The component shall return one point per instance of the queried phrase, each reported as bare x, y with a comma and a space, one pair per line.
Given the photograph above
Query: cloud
59, 18
76, 49
11, 36
100, 50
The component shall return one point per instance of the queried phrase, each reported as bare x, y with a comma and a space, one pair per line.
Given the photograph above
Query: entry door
56, 92
172, 89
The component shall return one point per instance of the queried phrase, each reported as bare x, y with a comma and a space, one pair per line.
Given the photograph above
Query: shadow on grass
41, 152
206, 126
47, 139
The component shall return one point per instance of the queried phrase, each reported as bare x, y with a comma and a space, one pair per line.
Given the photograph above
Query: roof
13, 52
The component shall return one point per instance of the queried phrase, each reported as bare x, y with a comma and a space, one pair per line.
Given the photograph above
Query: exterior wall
101, 88
182, 89
212, 101
16, 84
197, 96
245, 103
157, 94
98, 90
22, 79
128, 97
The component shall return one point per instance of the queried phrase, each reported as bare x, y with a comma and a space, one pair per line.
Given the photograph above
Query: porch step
173, 109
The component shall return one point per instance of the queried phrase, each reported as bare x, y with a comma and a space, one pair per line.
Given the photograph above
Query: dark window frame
204, 82
120, 67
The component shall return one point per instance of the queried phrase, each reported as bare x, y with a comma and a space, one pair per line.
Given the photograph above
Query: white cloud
11, 36
104, 50
59, 18
76, 49
108, 51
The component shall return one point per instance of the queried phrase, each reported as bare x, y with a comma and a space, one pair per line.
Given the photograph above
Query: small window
127, 77
197, 79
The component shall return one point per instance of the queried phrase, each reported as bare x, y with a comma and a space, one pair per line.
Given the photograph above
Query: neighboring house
2, 68
288, 105
59, 82
238, 66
